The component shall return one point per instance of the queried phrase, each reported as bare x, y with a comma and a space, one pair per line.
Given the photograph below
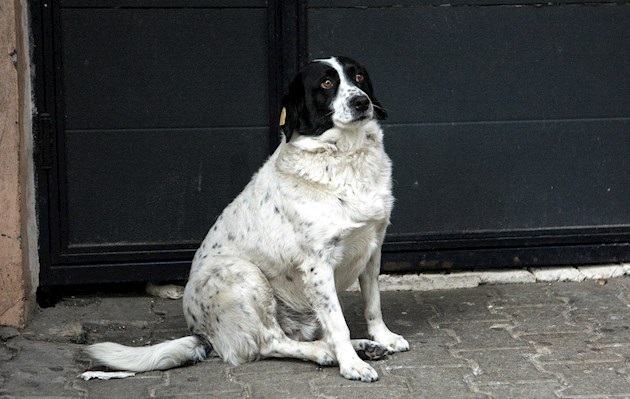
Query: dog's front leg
319, 282
377, 330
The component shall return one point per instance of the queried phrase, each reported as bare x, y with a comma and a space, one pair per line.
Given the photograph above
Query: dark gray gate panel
509, 125
161, 187
503, 119
164, 67
503, 177
471, 64
165, 119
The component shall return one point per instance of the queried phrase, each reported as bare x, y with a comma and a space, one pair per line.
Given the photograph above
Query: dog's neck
335, 159
346, 139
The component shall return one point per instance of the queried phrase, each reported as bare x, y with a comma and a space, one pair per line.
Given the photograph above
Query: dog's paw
393, 341
400, 344
370, 350
358, 370
326, 359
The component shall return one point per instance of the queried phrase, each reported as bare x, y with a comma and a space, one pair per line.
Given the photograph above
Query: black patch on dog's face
308, 103
352, 69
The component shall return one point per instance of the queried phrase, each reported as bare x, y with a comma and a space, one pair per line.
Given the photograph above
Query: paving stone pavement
536, 340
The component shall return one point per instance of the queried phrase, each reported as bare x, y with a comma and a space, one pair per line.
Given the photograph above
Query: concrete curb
444, 281
447, 281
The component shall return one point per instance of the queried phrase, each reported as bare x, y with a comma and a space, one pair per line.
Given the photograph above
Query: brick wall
16, 284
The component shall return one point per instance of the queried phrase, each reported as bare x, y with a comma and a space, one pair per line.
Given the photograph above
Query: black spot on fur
207, 346
333, 241
231, 237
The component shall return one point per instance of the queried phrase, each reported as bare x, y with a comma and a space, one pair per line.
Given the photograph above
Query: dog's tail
162, 356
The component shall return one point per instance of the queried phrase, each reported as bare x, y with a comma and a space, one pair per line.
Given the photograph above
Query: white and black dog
311, 222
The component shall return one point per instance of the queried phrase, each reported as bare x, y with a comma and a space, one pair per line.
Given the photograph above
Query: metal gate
509, 126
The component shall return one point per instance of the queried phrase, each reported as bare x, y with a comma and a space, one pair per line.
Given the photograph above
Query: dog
310, 222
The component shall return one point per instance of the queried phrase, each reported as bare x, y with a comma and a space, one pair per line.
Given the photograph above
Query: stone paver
533, 340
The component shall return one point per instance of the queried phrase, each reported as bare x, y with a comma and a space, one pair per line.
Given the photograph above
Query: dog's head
330, 92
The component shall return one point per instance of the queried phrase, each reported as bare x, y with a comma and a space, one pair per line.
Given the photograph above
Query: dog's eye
327, 84
359, 78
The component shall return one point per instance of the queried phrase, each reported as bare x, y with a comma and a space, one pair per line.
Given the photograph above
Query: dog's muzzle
361, 107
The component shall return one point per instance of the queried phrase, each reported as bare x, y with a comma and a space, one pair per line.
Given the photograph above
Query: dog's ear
292, 107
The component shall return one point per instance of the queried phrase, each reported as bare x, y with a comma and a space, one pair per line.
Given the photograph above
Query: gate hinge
43, 141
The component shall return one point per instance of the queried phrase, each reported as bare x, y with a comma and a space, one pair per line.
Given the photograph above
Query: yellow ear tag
283, 116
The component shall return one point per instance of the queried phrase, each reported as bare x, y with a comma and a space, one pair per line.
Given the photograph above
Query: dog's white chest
346, 201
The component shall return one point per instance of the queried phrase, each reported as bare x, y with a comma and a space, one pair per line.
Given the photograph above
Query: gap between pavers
444, 281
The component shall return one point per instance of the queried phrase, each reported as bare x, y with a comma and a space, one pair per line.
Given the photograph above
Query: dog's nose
360, 103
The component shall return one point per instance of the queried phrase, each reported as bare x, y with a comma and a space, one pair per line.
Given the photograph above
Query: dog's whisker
326, 116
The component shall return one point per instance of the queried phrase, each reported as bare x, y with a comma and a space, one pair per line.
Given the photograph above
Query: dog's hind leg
229, 302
